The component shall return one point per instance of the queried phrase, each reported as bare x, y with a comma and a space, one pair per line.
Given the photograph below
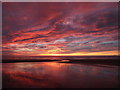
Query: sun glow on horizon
84, 54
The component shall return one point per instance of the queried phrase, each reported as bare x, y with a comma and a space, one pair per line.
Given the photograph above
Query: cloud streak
60, 28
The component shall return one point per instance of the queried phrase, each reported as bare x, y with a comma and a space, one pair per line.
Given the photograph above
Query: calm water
58, 75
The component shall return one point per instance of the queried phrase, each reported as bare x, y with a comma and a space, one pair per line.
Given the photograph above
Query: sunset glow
60, 29
83, 54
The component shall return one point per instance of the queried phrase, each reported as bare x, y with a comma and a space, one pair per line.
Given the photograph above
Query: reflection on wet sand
58, 75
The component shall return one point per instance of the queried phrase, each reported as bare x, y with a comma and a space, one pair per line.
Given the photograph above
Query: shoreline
81, 61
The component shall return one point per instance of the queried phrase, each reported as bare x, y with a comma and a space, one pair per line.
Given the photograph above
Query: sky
59, 28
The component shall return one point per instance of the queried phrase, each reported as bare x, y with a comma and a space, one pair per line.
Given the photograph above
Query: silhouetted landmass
97, 61
87, 61
26, 60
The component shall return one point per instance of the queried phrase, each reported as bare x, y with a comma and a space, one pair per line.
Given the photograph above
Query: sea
58, 74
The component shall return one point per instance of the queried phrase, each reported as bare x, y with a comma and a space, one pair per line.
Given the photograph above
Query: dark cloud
45, 28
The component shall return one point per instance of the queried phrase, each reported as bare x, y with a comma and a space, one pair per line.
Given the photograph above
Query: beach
59, 74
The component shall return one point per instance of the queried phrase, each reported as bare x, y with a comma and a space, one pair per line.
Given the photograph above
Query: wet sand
59, 74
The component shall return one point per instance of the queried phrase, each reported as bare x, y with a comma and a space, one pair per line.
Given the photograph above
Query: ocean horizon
63, 57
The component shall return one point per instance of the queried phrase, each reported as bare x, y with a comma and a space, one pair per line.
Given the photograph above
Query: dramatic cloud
34, 29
